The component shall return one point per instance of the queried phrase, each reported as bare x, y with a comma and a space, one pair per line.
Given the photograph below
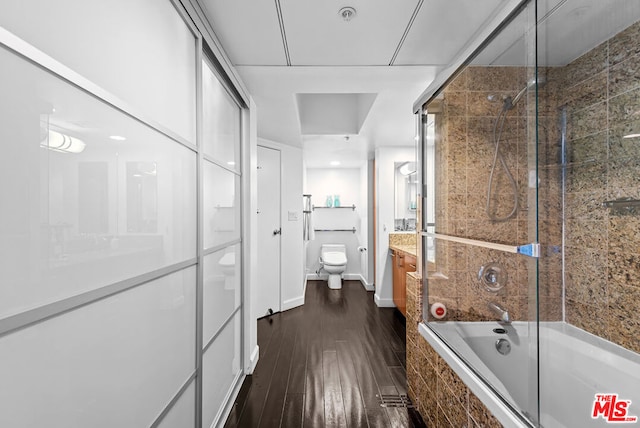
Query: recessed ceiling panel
333, 114
248, 30
390, 121
317, 34
443, 28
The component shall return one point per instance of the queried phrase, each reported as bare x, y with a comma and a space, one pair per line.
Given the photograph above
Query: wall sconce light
62, 143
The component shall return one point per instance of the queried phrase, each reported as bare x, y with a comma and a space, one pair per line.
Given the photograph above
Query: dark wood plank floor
327, 364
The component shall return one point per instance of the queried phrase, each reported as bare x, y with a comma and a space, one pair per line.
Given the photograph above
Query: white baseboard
365, 284
346, 276
384, 303
253, 360
292, 303
304, 288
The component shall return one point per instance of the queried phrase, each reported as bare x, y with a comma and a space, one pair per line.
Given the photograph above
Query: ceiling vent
347, 13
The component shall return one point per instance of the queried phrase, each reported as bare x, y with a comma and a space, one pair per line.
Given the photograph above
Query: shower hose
497, 156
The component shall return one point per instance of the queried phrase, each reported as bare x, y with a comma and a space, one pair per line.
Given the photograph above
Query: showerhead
541, 82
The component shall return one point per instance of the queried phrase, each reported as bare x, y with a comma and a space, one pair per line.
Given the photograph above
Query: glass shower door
480, 222
589, 163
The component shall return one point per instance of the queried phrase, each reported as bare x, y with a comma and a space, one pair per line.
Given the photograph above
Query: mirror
406, 182
429, 180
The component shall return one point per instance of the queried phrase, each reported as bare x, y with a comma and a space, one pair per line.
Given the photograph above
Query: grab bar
336, 230
351, 207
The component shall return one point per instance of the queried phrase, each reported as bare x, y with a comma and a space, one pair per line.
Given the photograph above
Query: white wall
351, 185
365, 234
370, 280
292, 248
305, 244
385, 158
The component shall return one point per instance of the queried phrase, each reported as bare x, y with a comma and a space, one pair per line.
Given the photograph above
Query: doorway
269, 231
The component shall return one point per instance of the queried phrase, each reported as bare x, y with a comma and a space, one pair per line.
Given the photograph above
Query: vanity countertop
410, 250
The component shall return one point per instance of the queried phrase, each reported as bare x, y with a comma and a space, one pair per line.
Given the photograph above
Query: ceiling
316, 78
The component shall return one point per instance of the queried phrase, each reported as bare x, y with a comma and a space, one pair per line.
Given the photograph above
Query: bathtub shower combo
530, 158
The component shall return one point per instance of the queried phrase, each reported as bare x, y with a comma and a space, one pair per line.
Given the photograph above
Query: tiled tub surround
443, 398
439, 394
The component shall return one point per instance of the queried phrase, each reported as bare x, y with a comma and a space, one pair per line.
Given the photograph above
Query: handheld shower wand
509, 104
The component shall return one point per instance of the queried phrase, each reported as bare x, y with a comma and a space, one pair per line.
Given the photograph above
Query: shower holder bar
530, 250
567, 164
352, 207
621, 203
336, 230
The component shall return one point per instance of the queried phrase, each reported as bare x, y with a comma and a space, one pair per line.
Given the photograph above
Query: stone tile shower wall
601, 94
464, 154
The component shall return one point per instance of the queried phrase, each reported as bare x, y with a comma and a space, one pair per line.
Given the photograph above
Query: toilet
333, 259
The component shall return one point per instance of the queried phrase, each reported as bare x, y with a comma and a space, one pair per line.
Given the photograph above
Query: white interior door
269, 231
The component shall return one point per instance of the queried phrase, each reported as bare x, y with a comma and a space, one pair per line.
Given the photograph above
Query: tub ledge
496, 406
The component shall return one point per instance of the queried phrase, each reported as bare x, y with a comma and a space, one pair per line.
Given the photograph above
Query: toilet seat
334, 258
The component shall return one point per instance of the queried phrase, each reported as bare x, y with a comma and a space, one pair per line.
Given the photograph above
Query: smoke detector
347, 13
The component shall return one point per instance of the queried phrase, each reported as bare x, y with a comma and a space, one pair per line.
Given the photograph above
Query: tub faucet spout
502, 313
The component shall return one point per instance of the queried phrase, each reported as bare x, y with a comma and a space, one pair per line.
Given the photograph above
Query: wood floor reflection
327, 364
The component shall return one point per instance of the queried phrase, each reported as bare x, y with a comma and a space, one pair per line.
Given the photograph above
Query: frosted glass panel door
221, 125
143, 341
118, 191
69, 229
183, 413
115, 44
220, 368
221, 240
221, 285
221, 206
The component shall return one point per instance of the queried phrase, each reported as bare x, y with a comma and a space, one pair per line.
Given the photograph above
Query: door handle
277, 232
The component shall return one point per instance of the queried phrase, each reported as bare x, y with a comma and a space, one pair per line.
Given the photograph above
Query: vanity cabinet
403, 263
